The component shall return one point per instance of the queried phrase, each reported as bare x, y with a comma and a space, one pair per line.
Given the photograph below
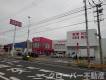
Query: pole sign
16, 23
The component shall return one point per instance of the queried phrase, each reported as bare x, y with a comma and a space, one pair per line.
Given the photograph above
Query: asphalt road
12, 69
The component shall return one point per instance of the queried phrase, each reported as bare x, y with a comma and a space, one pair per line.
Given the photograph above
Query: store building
76, 43
42, 46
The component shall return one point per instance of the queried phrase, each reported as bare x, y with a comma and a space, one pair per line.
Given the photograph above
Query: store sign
74, 37
16, 23
36, 39
79, 35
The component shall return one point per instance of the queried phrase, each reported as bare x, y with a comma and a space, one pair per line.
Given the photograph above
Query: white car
58, 55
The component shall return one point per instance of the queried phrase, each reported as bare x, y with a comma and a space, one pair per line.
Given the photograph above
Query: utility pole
99, 32
87, 38
99, 10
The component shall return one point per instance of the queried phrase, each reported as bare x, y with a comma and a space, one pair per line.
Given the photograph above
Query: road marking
4, 66
4, 77
30, 76
32, 67
44, 70
14, 78
16, 61
37, 78
40, 75
53, 72
19, 65
1, 73
18, 70
62, 61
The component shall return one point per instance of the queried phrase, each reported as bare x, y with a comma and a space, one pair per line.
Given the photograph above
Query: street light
28, 36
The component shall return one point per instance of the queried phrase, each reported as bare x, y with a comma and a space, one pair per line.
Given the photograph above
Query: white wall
71, 41
104, 47
83, 52
103, 50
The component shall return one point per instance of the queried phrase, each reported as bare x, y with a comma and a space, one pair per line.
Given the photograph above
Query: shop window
47, 45
36, 45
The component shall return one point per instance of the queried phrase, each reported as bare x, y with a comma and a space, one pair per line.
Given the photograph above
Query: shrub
26, 57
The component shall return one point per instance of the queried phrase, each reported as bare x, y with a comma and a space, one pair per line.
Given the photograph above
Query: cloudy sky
45, 18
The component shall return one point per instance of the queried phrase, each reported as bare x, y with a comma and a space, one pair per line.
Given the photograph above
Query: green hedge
26, 58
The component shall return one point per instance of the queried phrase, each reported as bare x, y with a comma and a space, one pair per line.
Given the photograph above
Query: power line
44, 25
56, 22
77, 10
21, 10
55, 28
53, 18
59, 27
49, 19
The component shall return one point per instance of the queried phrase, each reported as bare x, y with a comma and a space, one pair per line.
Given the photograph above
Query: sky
45, 21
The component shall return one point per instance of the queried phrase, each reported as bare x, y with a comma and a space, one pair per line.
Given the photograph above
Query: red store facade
42, 46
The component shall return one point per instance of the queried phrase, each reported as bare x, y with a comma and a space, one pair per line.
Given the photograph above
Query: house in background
59, 47
3, 41
20, 46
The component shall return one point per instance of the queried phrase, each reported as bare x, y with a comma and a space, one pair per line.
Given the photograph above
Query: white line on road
3, 66
19, 65
37, 78
32, 67
14, 78
44, 70
2, 77
1, 73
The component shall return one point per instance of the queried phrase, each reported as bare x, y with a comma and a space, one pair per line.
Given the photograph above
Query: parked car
19, 52
57, 55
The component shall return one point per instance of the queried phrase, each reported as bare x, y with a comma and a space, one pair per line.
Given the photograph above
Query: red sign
36, 39
79, 35
16, 23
